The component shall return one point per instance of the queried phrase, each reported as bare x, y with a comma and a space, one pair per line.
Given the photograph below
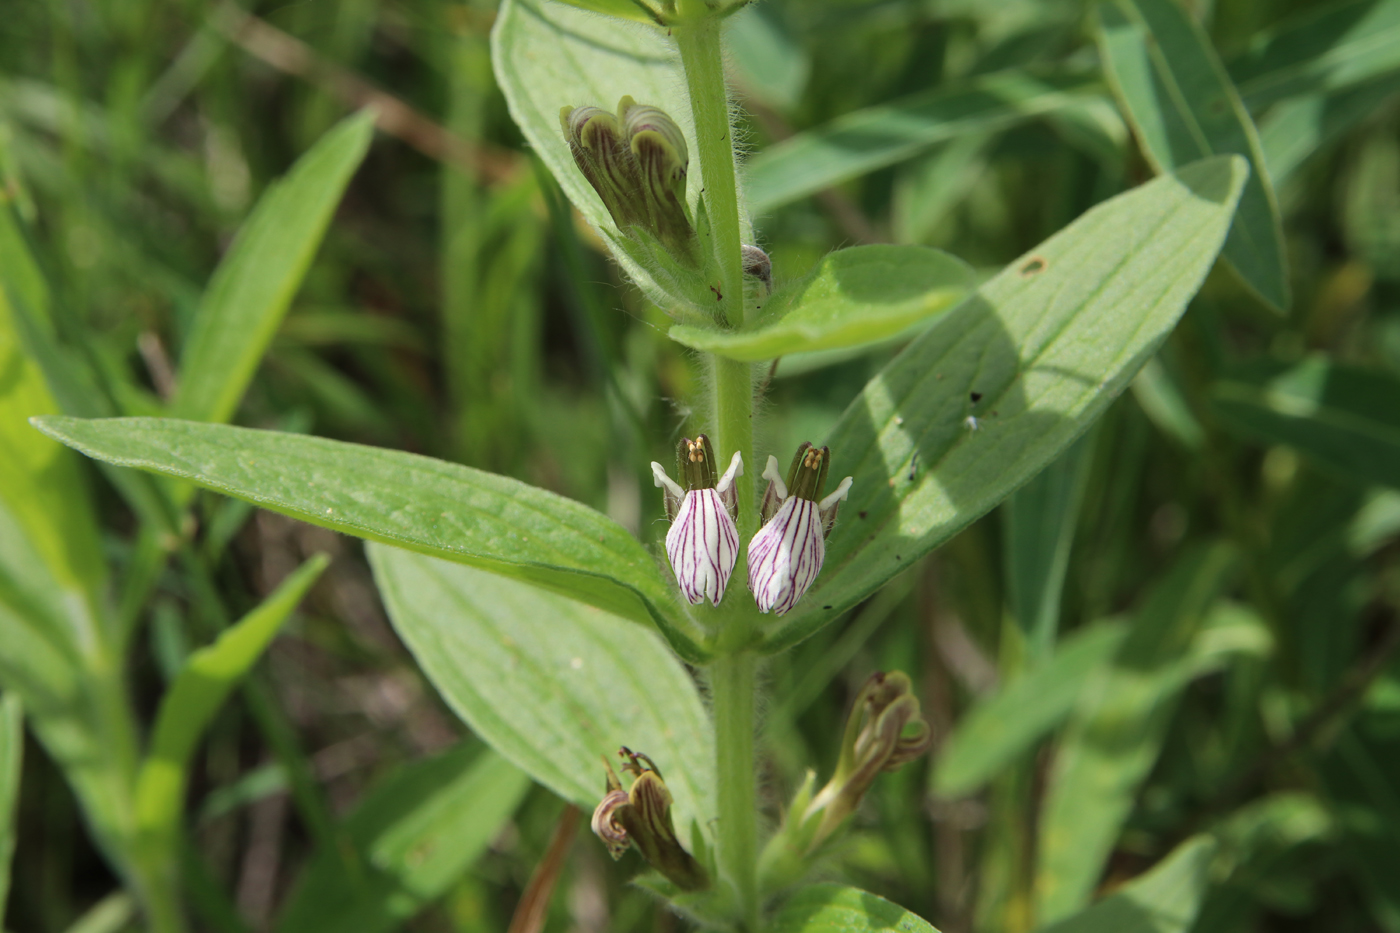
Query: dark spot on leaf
1033, 266
976, 397
862, 514
896, 557
826, 607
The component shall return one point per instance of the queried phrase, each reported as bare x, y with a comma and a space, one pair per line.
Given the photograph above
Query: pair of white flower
787, 552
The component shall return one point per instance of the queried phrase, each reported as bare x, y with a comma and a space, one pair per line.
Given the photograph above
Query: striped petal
786, 555
703, 545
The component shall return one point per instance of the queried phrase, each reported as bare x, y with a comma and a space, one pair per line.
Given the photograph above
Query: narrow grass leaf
1183, 107
859, 143
551, 684
1325, 49
1006, 725
999, 387
1295, 128
11, 758
404, 499
201, 687
1343, 417
258, 277
834, 908
417, 832
1038, 523
853, 296
1164, 900
1117, 731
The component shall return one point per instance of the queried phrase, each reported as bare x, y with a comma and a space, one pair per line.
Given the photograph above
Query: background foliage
1184, 625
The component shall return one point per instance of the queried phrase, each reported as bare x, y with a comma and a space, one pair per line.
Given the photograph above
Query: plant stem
732, 685
699, 45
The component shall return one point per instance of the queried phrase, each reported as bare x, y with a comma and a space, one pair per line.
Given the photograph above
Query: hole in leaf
1033, 266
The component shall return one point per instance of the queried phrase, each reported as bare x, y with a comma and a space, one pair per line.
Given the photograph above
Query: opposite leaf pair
787, 552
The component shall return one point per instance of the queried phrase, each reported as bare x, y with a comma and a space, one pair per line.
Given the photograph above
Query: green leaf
1045, 346
1347, 419
834, 908
1007, 724
11, 757
627, 9
551, 684
1183, 107
1038, 524
1165, 406
549, 56
768, 61
858, 143
417, 832
1117, 730
1296, 128
853, 296
254, 284
1164, 900
1325, 49
404, 499
199, 690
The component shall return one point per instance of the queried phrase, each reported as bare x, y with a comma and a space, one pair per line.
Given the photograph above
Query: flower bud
703, 543
875, 740
642, 817
637, 162
787, 553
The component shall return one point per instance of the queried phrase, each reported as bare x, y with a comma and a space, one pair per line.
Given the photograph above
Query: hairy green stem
699, 45
732, 687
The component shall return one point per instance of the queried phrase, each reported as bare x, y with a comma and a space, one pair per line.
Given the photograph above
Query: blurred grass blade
1008, 724
1165, 406
417, 832
112, 914
833, 908
767, 60
853, 296
1164, 900
255, 282
858, 143
1117, 730
11, 758
1295, 128
1038, 530
1180, 101
431, 506
1345, 418
1326, 48
201, 687
553, 685
1033, 357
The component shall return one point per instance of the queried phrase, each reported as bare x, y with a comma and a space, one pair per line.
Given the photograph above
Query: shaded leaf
1044, 347
833, 908
1183, 107
1345, 418
256, 280
11, 757
417, 832
550, 683
853, 296
400, 498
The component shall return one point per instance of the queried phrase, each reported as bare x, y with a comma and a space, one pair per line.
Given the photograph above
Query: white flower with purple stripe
703, 543
787, 553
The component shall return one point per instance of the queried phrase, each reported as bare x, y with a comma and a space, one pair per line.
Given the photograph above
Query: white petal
703, 545
736, 468
659, 477
786, 555
838, 496
775, 476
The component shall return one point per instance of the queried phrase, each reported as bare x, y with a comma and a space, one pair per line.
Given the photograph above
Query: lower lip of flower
703, 545
786, 555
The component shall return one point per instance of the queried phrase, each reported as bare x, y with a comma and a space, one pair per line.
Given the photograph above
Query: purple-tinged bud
787, 553
703, 543
642, 817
